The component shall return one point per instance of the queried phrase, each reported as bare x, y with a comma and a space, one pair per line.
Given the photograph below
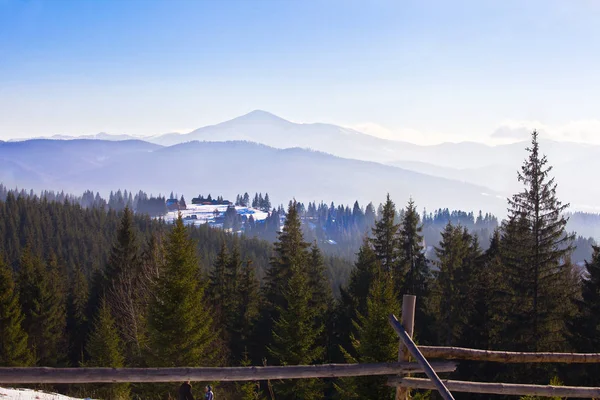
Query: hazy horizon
419, 72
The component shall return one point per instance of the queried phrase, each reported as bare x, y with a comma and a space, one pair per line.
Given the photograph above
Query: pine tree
125, 285
453, 294
289, 251
218, 286
13, 339
375, 341
412, 261
584, 328
105, 349
245, 312
45, 318
296, 333
537, 251
77, 321
180, 321
385, 239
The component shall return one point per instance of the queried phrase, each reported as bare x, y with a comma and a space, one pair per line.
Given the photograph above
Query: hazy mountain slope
228, 168
266, 128
501, 178
55, 158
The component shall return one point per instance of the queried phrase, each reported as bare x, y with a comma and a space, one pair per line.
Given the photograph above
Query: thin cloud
582, 131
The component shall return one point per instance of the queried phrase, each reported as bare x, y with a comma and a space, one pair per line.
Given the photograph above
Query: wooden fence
399, 372
404, 383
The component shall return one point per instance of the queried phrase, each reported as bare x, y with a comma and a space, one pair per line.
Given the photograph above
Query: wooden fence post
408, 322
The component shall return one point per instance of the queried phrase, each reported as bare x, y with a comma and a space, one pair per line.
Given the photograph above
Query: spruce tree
105, 349
217, 288
125, 285
290, 323
245, 313
77, 321
180, 321
375, 341
412, 262
584, 328
385, 240
296, 333
289, 251
44, 311
537, 249
13, 339
353, 298
455, 254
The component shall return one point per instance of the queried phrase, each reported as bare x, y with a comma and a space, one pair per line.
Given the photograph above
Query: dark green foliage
584, 328
126, 287
296, 333
374, 341
295, 325
180, 320
353, 298
42, 299
537, 250
105, 349
77, 321
454, 283
244, 311
386, 242
217, 288
412, 262
13, 339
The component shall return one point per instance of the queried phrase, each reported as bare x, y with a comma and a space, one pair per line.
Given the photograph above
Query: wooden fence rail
412, 348
113, 375
460, 353
501, 388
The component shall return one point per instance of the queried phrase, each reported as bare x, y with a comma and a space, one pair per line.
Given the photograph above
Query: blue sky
425, 71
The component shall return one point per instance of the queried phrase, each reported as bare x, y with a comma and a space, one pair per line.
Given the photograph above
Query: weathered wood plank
429, 371
408, 322
460, 353
104, 375
501, 388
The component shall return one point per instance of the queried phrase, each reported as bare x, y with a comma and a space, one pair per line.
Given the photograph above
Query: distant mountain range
473, 167
227, 168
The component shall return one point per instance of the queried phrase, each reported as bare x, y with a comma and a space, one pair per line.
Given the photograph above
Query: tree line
177, 296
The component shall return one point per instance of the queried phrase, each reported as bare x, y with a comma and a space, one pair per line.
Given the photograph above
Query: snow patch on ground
27, 394
201, 214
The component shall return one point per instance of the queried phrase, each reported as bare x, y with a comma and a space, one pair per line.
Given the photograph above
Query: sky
424, 71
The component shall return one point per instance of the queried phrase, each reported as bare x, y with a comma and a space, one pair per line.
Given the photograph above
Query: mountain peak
260, 116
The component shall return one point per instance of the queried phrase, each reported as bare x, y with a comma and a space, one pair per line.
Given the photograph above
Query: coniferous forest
91, 285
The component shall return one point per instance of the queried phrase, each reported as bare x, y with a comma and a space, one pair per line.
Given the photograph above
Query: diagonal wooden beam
412, 347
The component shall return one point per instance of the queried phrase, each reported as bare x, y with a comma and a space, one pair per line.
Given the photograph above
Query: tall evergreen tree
296, 333
77, 321
584, 329
412, 262
385, 239
537, 257
125, 288
456, 252
106, 350
217, 288
289, 251
180, 321
44, 311
13, 339
245, 313
289, 321
375, 341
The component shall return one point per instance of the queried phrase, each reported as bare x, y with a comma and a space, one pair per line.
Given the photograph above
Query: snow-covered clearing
202, 214
27, 394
